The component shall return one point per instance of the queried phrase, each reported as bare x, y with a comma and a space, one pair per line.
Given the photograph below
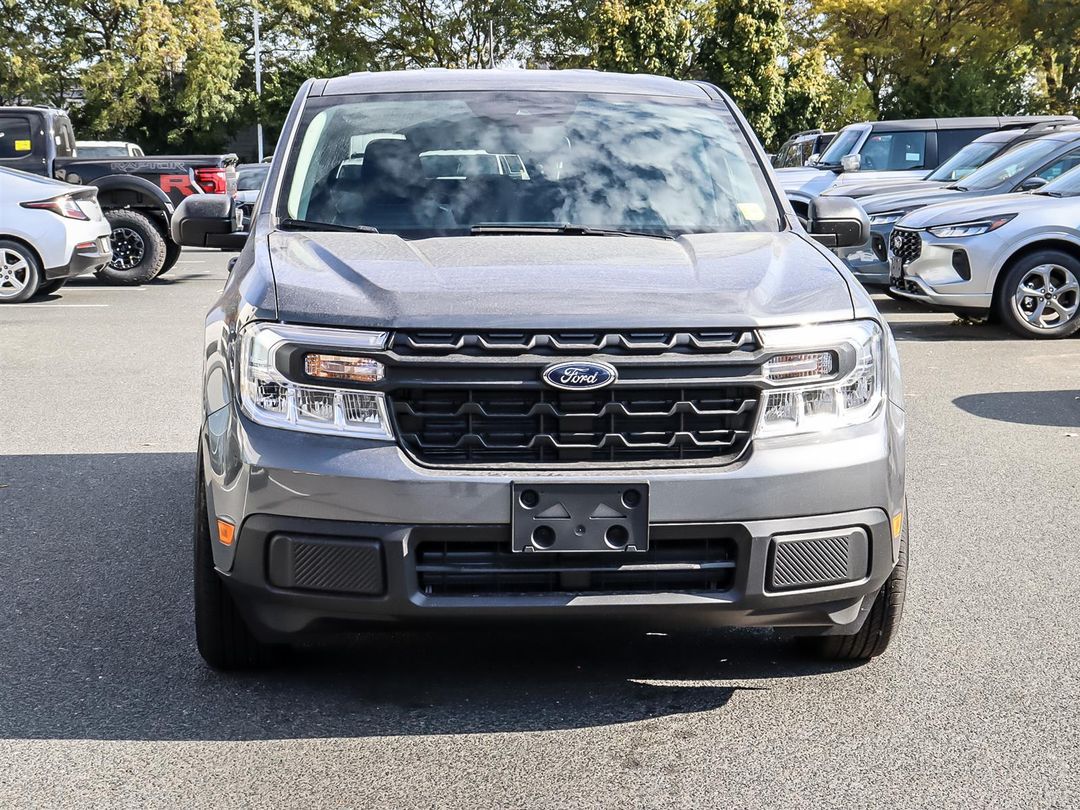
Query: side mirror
838, 222
851, 163
208, 220
1032, 183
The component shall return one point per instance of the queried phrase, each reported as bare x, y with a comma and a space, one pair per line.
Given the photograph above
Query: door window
1056, 168
15, 140
894, 151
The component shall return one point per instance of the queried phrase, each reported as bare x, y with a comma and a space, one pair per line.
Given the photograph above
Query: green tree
644, 36
741, 53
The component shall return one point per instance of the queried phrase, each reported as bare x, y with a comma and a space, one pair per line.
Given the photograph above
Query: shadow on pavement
97, 642
1047, 408
943, 326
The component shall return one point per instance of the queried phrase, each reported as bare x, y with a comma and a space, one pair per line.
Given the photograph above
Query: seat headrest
391, 166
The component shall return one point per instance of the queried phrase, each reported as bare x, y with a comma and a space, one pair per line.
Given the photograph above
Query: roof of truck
435, 79
976, 122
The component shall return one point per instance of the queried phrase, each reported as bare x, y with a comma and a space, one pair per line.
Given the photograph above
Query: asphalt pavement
105, 703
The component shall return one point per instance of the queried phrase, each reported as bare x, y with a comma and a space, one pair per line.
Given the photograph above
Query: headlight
271, 398
833, 376
886, 218
961, 229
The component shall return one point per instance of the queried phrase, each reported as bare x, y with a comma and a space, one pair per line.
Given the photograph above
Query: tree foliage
176, 74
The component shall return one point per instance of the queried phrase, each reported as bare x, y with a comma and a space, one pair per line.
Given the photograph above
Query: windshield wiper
561, 230
291, 224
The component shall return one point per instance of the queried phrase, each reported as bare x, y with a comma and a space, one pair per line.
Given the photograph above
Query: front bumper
869, 262
934, 279
272, 482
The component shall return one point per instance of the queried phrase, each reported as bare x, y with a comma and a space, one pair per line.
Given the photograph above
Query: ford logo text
580, 376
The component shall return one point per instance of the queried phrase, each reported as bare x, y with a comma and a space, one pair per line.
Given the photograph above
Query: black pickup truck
137, 194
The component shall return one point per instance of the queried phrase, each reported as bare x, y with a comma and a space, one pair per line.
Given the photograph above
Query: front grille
490, 568
575, 342
542, 426
905, 244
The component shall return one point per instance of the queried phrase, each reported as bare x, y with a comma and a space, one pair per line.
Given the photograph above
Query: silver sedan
1011, 256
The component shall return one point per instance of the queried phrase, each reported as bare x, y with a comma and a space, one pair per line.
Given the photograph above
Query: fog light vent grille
326, 564
822, 558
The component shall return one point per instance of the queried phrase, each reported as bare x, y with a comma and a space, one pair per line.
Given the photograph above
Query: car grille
489, 568
579, 343
905, 244
541, 426
461, 398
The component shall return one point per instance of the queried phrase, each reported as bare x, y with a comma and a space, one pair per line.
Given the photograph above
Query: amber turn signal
225, 532
897, 524
341, 367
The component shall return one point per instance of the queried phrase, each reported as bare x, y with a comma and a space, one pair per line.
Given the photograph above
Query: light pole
258, 78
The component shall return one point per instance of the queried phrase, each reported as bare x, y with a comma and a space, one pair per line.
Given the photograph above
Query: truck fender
137, 185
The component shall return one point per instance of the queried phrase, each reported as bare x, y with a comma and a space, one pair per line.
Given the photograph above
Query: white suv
49, 231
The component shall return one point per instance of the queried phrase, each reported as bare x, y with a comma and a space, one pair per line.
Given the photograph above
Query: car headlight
821, 377
961, 229
886, 217
281, 372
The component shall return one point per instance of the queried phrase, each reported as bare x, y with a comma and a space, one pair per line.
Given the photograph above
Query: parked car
249, 182
49, 231
1024, 168
100, 149
886, 150
973, 156
1016, 256
137, 194
802, 148
617, 389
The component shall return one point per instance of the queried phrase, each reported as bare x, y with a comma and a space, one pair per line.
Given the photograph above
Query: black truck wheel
138, 248
172, 253
221, 634
20, 272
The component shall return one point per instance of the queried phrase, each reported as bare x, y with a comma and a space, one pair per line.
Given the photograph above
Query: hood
892, 186
916, 198
965, 210
805, 179
743, 279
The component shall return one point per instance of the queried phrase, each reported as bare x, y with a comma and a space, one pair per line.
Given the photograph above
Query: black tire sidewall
153, 247
172, 255
35, 275
1005, 310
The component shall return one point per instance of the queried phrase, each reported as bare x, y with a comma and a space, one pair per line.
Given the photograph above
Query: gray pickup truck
620, 384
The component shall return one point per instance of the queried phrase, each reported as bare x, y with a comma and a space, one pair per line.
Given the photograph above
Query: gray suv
621, 384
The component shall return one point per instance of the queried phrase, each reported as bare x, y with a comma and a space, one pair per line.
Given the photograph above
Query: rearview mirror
208, 220
1032, 183
838, 222
851, 163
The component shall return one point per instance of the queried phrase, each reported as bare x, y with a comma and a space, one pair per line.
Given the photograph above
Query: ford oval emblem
584, 375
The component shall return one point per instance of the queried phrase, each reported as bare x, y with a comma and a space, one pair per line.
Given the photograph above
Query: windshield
843, 144
1024, 158
444, 163
1068, 185
965, 162
251, 178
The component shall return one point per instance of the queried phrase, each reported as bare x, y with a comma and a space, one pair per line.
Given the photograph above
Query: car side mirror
838, 222
1033, 183
851, 163
208, 220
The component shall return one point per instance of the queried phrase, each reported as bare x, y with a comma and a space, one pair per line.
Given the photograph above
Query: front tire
138, 248
882, 624
20, 272
223, 638
1040, 295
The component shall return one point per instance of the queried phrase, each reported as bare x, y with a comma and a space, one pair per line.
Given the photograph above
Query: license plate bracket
580, 517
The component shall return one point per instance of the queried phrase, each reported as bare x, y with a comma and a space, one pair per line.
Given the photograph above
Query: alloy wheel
1048, 296
14, 273
128, 249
